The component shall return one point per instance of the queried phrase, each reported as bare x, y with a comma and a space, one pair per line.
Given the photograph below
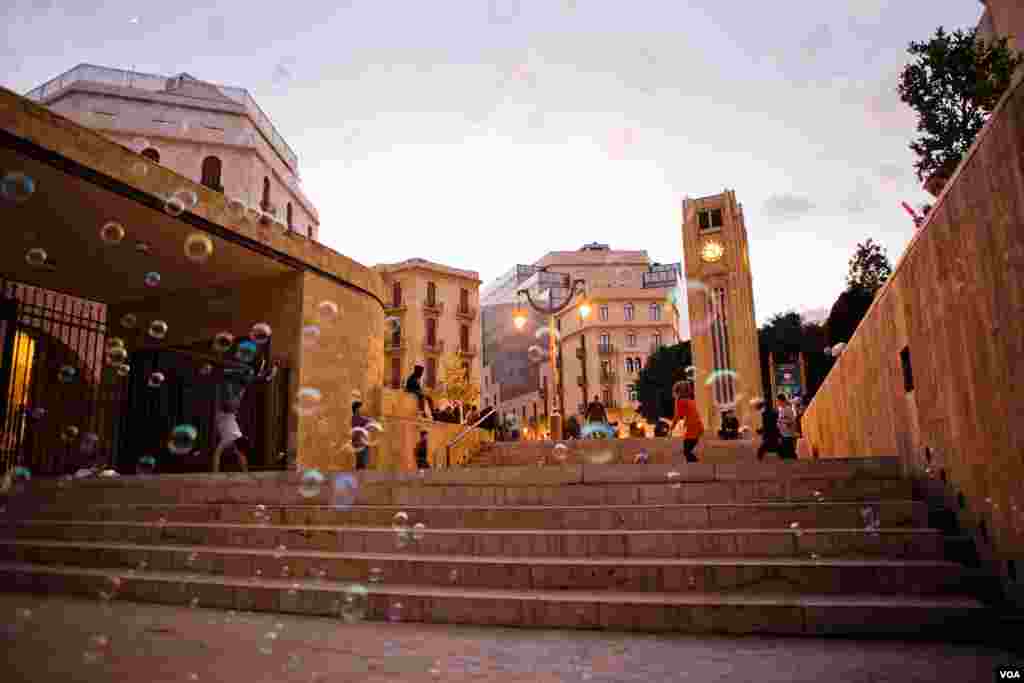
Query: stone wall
954, 308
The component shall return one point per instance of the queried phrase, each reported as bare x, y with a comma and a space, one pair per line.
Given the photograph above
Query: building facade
720, 299
434, 314
213, 135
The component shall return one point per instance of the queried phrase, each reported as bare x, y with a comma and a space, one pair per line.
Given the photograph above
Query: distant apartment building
212, 134
616, 280
437, 312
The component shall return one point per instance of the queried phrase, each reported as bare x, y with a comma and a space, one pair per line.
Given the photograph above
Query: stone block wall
954, 312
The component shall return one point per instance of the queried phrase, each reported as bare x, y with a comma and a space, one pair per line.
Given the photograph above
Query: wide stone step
688, 612
891, 543
722, 574
828, 515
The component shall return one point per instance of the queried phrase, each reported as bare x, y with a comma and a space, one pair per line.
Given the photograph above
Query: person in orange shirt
686, 410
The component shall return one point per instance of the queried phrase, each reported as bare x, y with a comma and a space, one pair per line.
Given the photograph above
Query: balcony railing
605, 349
609, 377
437, 346
466, 312
433, 307
468, 350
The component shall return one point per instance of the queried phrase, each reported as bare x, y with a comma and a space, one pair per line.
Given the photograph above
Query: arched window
265, 203
288, 215
151, 154
211, 173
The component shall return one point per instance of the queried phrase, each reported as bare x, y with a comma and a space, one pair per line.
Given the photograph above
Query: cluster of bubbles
871, 518
404, 533
183, 439
836, 350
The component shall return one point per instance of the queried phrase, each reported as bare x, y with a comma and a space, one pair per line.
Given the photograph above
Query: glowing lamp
585, 309
519, 318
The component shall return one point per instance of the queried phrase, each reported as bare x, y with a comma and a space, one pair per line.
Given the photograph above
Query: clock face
712, 251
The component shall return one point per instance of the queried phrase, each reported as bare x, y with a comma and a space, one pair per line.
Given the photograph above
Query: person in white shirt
787, 428
229, 436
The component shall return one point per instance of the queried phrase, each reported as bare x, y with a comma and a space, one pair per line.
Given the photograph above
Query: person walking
787, 428
770, 437
360, 437
414, 385
422, 463
686, 412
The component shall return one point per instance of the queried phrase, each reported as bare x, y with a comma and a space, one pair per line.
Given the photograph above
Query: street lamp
552, 309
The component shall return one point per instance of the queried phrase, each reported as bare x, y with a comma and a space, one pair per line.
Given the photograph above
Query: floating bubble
146, 465
376, 575
419, 530
67, 374
260, 333
394, 325
140, 168
395, 611
308, 401
115, 343
156, 380
311, 482
720, 375
36, 257
247, 351
535, 354
117, 355
205, 369
37, 413
560, 452
70, 433
310, 335
641, 458
174, 206
89, 442
838, 349
112, 233
673, 475
20, 478
223, 341
183, 439
152, 279
352, 607
157, 329
16, 187
143, 247
122, 369
129, 321
597, 430
236, 207
327, 310
198, 247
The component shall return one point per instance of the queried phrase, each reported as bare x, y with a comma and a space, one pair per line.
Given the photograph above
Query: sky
481, 134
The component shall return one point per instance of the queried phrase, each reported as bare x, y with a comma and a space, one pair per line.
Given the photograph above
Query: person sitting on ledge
730, 426
414, 386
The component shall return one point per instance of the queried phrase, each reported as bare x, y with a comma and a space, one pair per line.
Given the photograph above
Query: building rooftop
409, 264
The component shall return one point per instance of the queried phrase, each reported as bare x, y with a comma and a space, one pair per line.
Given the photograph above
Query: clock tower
720, 298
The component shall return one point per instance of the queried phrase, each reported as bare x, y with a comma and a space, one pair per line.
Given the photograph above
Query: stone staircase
776, 548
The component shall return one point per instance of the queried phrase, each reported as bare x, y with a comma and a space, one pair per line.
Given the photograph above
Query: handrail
448, 447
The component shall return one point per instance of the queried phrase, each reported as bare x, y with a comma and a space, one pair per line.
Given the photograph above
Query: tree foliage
456, 383
783, 337
953, 83
869, 267
664, 368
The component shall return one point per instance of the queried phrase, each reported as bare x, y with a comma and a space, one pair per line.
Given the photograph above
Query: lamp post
551, 310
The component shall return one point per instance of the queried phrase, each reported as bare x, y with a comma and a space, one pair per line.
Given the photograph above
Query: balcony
395, 308
468, 351
433, 307
395, 345
435, 347
609, 377
467, 313
606, 349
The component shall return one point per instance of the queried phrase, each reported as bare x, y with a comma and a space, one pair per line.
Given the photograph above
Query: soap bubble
561, 452
152, 279
260, 333
376, 575
37, 413
535, 354
89, 442
157, 329
183, 439
328, 310
117, 355
236, 207
147, 465
352, 606
16, 187
112, 233
198, 247
142, 247
174, 206
310, 335
223, 341
309, 487
36, 257
189, 199
394, 325
641, 458
129, 321
419, 530
721, 375
308, 401
838, 349
247, 351
597, 430
394, 614
156, 380
122, 369
400, 525
67, 374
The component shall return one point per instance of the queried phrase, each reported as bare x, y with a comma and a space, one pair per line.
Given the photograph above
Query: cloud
862, 199
818, 40
786, 206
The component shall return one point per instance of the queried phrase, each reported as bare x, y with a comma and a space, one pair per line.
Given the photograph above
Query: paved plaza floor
69, 639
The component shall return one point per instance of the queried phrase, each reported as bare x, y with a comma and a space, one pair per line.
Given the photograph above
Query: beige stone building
211, 134
437, 311
720, 297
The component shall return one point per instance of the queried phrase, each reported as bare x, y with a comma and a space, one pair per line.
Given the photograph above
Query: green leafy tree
953, 83
456, 383
654, 383
869, 267
785, 336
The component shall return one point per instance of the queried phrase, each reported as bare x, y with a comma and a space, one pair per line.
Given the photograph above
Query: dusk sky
484, 134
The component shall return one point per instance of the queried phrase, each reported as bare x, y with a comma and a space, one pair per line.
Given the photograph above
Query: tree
953, 83
846, 314
664, 368
869, 267
456, 383
783, 337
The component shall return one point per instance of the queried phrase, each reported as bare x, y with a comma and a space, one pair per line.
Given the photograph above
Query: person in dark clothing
770, 437
360, 437
787, 428
414, 386
421, 452
572, 428
730, 426
596, 411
